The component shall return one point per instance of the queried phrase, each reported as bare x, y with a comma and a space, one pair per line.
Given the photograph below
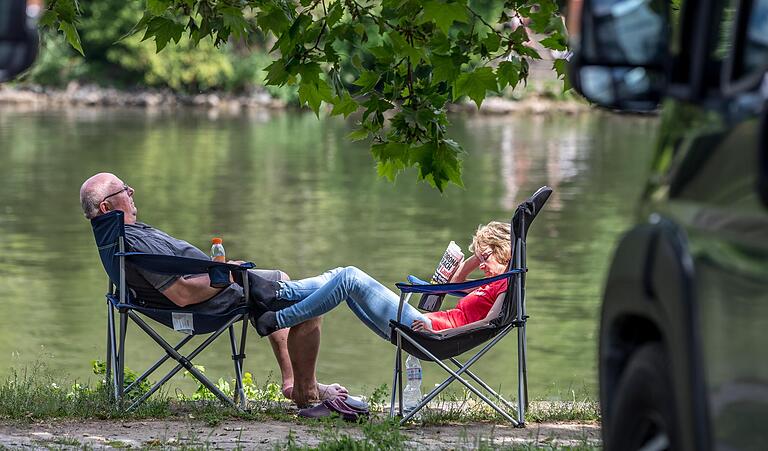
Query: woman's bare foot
321, 392
332, 391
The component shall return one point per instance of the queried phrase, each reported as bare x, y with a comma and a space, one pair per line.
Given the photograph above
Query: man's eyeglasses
126, 188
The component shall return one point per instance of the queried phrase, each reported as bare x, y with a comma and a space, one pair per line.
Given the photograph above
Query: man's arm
191, 290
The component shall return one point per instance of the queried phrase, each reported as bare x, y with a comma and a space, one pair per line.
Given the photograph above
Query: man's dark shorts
269, 274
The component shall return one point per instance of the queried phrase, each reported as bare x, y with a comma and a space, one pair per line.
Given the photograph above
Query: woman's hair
494, 236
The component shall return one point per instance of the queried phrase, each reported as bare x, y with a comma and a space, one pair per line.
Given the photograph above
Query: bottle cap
216, 241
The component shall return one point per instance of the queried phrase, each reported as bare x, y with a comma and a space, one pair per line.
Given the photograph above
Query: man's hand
236, 276
419, 326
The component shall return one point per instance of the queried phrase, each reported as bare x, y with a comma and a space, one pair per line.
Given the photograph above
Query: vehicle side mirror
621, 52
18, 36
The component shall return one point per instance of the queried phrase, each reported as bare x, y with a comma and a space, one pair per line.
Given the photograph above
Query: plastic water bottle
217, 251
412, 390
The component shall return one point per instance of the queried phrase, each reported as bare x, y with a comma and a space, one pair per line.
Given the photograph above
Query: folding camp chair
507, 313
109, 232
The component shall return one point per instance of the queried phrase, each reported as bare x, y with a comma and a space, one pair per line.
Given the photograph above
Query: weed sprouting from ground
336, 435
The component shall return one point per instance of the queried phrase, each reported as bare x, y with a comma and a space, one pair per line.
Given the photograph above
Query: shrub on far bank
114, 58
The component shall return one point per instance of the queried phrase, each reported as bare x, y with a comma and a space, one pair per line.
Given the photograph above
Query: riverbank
36, 413
191, 433
536, 101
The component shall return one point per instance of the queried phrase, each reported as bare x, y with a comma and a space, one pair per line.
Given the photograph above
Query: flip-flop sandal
356, 403
328, 408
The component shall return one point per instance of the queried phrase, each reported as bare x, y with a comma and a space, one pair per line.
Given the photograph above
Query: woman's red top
472, 307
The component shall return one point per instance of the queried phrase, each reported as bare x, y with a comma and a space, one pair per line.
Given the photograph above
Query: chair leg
109, 376
397, 375
239, 393
400, 375
521, 401
120, 369
243, 335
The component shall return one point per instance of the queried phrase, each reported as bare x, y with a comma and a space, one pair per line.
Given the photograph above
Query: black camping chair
109, 232
507, 313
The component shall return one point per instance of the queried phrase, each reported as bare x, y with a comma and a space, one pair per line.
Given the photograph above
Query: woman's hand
465, 268
419, 325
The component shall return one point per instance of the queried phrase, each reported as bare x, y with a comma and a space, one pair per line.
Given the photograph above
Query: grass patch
33, 393
487, 444
462, 407
548, 411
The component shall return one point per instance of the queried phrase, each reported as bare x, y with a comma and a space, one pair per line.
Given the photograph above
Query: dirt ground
240, 434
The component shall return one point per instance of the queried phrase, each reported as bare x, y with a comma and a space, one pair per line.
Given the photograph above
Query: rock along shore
86, 95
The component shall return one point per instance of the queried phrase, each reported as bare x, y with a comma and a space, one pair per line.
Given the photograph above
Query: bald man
296, 348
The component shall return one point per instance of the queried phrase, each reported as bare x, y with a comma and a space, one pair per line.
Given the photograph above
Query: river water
287, 191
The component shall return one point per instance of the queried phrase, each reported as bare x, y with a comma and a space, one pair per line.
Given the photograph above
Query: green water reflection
287, 191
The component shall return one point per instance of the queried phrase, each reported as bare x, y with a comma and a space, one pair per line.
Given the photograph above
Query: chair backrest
524, 215
107, 230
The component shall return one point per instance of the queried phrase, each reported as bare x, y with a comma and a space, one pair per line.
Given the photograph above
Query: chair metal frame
517, 274
116, 346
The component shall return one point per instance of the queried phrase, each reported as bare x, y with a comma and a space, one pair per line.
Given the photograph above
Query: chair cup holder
219, 276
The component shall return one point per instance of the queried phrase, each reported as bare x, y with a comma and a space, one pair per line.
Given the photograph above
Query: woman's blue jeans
371, 301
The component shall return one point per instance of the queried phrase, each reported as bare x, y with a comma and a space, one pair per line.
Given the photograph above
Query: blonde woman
292, 302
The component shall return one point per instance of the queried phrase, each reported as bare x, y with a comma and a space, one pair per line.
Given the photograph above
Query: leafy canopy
395, 62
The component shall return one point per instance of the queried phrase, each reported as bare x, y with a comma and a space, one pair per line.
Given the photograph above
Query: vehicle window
755, 50
714, 30
724, 38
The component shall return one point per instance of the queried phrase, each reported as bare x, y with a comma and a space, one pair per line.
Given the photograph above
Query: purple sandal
334, 406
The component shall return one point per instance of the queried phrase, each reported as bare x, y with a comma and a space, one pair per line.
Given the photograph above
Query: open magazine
447, 267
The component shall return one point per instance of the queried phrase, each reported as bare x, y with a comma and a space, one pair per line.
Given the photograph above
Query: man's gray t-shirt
147, 287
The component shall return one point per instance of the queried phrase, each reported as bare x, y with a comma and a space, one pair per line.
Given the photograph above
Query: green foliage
269, 392
56, 63
99, 368
363, 56
185, 67
379, 399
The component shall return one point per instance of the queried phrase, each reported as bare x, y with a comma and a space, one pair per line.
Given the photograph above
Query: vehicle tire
643, 410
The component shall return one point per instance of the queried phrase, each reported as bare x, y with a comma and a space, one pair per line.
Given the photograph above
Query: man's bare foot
322, 392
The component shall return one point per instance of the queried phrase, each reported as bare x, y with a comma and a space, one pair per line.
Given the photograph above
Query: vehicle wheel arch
650, 298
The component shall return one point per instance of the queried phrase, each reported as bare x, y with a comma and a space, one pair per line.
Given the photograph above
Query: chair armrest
444, 288
170, 264
416, 281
